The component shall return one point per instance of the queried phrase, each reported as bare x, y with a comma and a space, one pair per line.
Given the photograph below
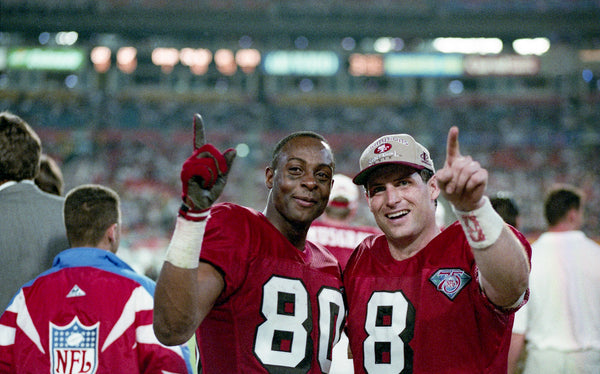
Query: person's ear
112, 233
575, 217
434, 188
269, 174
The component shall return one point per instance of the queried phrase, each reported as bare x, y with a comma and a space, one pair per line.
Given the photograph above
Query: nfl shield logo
74, 348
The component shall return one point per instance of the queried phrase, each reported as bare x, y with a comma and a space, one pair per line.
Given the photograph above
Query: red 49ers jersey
339, 239
425, 314
281, 310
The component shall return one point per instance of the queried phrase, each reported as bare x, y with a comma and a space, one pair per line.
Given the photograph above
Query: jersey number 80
283, 343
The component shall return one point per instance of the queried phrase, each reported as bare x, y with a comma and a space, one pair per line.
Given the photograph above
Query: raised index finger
452, 148
199, 138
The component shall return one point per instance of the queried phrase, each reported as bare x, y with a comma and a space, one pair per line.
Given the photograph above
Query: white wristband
186, 242
482, 226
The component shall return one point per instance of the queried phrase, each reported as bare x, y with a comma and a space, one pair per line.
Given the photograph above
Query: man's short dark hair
279, 146
20, 149
49, 178
89, 211
559, 201
506, 208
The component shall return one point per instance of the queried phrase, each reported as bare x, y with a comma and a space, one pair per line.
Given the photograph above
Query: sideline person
560, 322
90, 312
32, 229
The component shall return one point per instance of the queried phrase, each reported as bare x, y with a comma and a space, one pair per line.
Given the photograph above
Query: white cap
343, 188
393, 149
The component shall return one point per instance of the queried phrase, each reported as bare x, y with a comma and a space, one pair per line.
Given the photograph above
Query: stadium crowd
136, 146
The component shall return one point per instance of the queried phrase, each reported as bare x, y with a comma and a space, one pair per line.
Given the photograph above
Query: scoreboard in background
278, 63
62, 59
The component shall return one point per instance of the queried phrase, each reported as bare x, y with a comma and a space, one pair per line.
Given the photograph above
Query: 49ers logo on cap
425, 158
383, 148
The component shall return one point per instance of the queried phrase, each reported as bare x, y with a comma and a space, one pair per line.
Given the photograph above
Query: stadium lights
166, 58
127, 59
197, 59
365, 65
387, 44
535, 46
456, 87
100, 57
383, 45
480, 46
44, 38
225, 61
58, 59
311, 63
242, 150
66, 37
348, 43
247, 59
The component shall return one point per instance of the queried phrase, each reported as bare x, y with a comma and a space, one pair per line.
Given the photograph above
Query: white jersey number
282, 342
389, 326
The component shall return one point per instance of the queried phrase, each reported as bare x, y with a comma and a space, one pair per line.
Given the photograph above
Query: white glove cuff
186, 242
482, 226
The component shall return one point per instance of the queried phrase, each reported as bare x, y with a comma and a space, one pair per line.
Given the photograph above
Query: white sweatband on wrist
186, 242
482, 226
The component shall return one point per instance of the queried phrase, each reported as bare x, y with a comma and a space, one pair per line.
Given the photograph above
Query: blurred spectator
90, 312
560, 321
50, 178
335, 229
32, 229
507, 208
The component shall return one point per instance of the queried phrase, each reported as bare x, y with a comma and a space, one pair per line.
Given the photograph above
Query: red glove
206, 166
203, 174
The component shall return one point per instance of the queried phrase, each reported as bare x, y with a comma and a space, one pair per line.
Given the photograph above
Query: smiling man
422, 300
260, 297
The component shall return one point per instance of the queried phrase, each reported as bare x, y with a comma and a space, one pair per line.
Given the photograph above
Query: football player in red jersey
260, 297
422, 300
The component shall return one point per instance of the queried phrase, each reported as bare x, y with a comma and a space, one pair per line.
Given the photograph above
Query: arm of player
182, 299
517, 343
500, 256
186, 289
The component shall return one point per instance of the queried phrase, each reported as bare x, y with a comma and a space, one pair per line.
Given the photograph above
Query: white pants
557, 362
340, 363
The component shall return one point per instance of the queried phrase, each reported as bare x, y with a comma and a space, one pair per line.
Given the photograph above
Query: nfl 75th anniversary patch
450, 281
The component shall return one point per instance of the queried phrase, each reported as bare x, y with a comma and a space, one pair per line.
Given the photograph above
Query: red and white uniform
281, 309
425, 314
90, 313
339, 239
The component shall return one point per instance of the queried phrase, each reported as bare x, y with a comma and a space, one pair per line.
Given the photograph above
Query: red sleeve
226, 244
8, 325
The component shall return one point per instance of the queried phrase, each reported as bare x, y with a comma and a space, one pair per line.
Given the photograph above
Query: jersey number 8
389, 325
